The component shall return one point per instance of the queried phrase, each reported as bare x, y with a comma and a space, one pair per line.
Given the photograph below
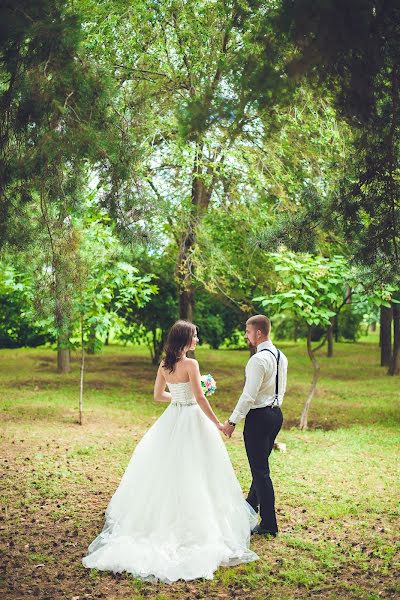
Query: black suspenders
277, 358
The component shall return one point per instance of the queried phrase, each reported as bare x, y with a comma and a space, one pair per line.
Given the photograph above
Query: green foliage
151, 321
314, 289
207, 151
54, 113
286, 328
310, 288
17, 325
348, 324
85, 273
353, 50
217, 321
188, 126
57, 127
109, 288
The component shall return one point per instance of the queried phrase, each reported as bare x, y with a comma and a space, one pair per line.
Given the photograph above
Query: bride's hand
220, 426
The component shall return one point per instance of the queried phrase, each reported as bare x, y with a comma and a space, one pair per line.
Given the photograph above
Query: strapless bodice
182, 394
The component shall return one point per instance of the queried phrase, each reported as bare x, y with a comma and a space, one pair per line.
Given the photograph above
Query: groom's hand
228, 429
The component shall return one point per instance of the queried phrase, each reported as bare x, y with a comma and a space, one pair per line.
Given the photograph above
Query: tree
353, 50
151, 322
105, 288
191, 57
217, 318
313, 290
54, 124
112, 287
53, 110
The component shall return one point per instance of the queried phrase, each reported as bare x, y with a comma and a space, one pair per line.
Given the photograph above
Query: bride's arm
194, 376
160, 395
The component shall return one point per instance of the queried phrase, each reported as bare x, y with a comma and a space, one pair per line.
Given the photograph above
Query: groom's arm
255, 371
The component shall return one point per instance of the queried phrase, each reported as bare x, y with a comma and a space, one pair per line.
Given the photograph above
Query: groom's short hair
260, 322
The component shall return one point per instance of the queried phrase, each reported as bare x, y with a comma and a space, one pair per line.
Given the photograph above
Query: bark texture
386, 335
394, 368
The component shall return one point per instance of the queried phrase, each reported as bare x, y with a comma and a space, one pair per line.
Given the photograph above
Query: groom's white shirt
259, 388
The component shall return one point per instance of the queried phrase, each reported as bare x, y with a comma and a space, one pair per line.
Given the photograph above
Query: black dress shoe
258, 530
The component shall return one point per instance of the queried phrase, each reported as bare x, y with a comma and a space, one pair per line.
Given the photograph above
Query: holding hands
228, 428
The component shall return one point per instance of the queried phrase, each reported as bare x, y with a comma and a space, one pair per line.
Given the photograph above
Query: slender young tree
312, 289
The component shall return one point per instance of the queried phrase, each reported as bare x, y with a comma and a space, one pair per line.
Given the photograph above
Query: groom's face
251, 335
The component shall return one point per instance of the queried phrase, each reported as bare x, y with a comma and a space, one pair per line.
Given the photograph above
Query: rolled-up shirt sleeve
255, 371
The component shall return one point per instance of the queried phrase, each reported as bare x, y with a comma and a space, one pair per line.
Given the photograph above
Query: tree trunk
295, 331
81, 378
63, 360
336, 329
394, 359
91, 344
394, 368
63, 354
158, 344
373, 326
200, 199
186, 303
185, 274
304, 415
63, 327
386, 335
329, 337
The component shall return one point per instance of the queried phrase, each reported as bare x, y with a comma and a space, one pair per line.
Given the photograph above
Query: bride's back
179, 374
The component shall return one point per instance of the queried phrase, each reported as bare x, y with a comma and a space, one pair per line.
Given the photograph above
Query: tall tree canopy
53, 111
184, 95
354, 50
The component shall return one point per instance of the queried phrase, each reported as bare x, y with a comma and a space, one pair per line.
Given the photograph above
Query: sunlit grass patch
302, 572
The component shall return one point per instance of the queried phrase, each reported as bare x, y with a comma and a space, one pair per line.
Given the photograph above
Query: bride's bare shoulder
191, 363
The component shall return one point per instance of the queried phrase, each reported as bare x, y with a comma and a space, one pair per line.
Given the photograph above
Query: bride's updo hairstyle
178, 341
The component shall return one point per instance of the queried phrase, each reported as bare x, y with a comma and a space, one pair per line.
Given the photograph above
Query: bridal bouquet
208, 384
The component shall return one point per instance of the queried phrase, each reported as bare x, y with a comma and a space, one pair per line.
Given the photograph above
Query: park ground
337, 484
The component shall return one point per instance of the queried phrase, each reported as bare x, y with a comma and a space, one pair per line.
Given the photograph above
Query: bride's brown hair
179, 339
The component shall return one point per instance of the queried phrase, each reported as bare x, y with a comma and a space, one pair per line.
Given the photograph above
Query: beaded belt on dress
175, 403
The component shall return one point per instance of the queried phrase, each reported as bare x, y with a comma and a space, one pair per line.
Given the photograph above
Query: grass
336, 486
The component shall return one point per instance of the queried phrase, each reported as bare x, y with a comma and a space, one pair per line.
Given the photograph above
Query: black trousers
261, 427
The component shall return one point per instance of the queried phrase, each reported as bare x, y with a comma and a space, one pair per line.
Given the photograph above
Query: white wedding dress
179, 512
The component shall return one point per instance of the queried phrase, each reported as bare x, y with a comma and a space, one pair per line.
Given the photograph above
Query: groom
260, 404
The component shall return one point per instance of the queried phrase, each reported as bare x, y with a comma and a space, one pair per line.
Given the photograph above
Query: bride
178, 512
